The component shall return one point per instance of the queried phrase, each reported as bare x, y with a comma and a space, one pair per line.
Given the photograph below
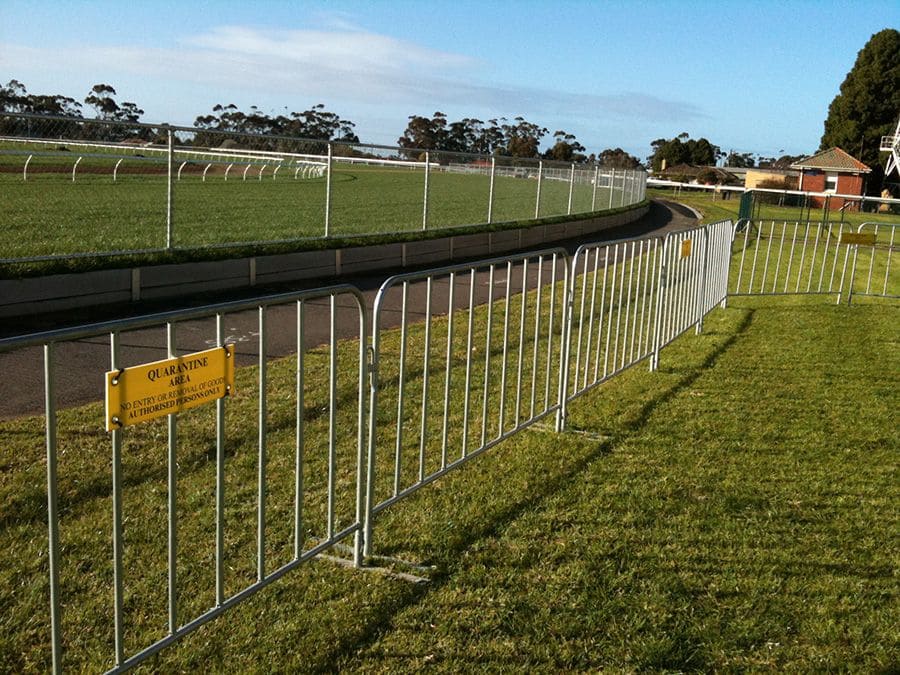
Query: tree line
864, 110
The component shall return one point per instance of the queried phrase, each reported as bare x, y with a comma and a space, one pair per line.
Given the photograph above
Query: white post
116, 170
169, 191
594, 191
25, 170
328, 194
490, 213
77, 161
537, 203
425, 199
612, 186
571, 189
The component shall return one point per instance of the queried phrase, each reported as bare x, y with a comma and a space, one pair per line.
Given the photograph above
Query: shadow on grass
674, 653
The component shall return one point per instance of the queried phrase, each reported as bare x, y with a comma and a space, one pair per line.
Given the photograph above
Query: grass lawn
50, 214
714, 208
735, 510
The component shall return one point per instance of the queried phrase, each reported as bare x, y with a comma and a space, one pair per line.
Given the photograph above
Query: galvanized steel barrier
311, 435
346, 428
815, 258
450, 392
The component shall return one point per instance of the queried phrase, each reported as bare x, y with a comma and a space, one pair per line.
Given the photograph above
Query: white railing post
170, 141
612, 186
328, 194
25, 169
490, 213
537, 201
425, 198
594, 191
571, 189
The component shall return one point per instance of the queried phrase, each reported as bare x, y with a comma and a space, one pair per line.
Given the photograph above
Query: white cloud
341, 64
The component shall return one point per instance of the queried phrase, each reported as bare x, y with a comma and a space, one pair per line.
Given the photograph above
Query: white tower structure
891, 144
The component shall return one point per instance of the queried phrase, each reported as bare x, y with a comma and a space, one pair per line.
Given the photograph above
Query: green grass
715, 207
735, 510
50, 214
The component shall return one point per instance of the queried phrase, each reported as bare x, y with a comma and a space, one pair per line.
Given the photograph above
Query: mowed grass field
714, 208
50, 214
736, 510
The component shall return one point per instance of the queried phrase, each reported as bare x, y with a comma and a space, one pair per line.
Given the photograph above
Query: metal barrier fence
74, 186
447, 393
815, 258
305, 446
336, 429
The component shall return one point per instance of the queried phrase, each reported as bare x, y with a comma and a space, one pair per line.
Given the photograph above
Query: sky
755, 76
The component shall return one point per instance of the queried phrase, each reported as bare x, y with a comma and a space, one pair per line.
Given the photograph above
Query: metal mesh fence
74, 186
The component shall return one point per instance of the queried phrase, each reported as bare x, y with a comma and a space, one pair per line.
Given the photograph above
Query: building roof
833, 159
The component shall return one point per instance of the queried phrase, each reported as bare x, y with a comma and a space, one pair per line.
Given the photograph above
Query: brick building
833, 171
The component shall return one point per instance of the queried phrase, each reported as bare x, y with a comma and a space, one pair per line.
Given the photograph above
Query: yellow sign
860, 238
141, 393
686, 248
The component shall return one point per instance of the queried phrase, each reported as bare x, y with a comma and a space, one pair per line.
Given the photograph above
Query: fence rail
74, 186
328, 427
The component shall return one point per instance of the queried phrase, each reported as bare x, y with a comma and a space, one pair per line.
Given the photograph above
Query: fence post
612, 186
594, 191
25, 170
328, 194
490, 214
537, 202
425, 200
52, 512
170, 141
571, 189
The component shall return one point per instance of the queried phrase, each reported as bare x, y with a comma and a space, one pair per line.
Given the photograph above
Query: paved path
82, 363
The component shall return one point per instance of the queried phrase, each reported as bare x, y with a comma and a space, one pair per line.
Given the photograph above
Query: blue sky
749, 76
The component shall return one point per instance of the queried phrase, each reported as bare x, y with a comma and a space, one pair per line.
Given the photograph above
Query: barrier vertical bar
594, 190
426, 365
571, 189
490, 213
299, 431
328, 193
425, 197
487, 354
537, 201
447, 370
332, 412
401, 388
704, 273
261, 462
52, 506
469, 338
660, 304
220, 479
170, 161
363, 371
172, 480
612, 186
117, 515
508, 290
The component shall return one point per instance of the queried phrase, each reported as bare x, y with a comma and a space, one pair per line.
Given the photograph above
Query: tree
618, 159
869, 100
683, 150
740, 160
565, 148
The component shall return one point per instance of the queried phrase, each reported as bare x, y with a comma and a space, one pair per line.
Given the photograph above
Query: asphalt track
81, 364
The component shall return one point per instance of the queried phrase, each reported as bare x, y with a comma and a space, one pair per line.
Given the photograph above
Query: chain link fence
86, 187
